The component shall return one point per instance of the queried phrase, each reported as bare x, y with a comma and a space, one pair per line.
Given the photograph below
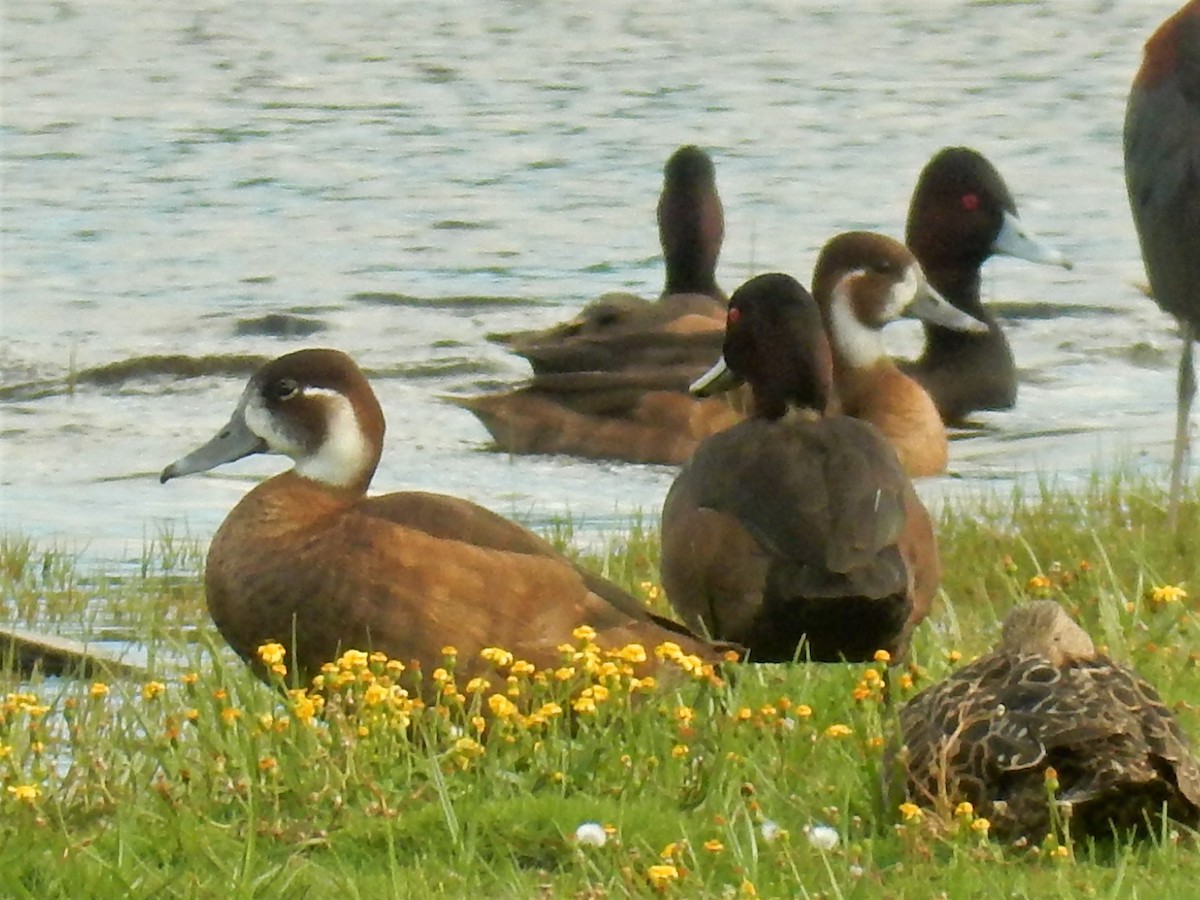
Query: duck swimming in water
612, 382
961, 215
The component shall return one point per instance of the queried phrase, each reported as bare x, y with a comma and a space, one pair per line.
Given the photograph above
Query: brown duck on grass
308, 560
1045, 698
797, 532
612, 382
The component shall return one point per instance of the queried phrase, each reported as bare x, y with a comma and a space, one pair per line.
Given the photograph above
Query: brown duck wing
417, 589
454, 519
664, 427
825, 498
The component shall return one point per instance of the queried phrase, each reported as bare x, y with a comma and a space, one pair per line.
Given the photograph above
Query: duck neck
855, 345
690, 270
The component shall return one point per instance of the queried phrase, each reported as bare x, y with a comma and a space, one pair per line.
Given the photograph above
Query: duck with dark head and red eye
961, 215
308, 560
1162, 172
795, 533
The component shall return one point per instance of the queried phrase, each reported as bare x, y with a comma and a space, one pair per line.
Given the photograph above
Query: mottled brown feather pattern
988, 733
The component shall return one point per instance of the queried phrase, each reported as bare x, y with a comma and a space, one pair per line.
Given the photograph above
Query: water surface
190, 188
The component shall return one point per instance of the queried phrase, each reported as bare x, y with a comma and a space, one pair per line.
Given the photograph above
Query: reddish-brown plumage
308, 560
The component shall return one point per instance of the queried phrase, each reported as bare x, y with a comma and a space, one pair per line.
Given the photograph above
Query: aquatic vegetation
578, 780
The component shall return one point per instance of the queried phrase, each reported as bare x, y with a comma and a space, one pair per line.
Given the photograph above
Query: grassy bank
202, 782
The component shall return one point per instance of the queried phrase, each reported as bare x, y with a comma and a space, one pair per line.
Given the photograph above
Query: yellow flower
981, 825
714, 846
353, 659
679, 750
838, 731
883, 656
1051, 777
231, 714
26, 793
672, 849
748, 889
522, 667
468, 746
375, 694
267, 764
953, 656
440, 675
1167, 593
584, 704
661, 876
1059, 852
632, 653
272, 653
744, 714
803, 711
584, 633
911, 812
501, 706
98, 689
1039, 584
496, 656
304, 707
478, 685
152, 689
685, 714
190, 678
964, 809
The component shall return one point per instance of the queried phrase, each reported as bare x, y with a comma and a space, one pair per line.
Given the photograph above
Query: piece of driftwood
26, 651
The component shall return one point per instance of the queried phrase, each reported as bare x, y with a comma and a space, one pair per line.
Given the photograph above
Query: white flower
591, 834
769, 829
822, 837
856, 871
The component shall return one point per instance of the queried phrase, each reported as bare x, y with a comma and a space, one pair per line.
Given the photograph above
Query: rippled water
401, 179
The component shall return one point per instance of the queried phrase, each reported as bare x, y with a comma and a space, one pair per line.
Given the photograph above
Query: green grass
205, 783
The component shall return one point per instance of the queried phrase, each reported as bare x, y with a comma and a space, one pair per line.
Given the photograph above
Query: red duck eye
970, 201
734, 315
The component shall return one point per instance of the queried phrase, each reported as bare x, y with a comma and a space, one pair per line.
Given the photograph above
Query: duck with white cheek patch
308, 560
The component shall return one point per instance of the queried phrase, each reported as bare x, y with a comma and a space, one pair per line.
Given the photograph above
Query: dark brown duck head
962, 214
691, 223
775, 342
